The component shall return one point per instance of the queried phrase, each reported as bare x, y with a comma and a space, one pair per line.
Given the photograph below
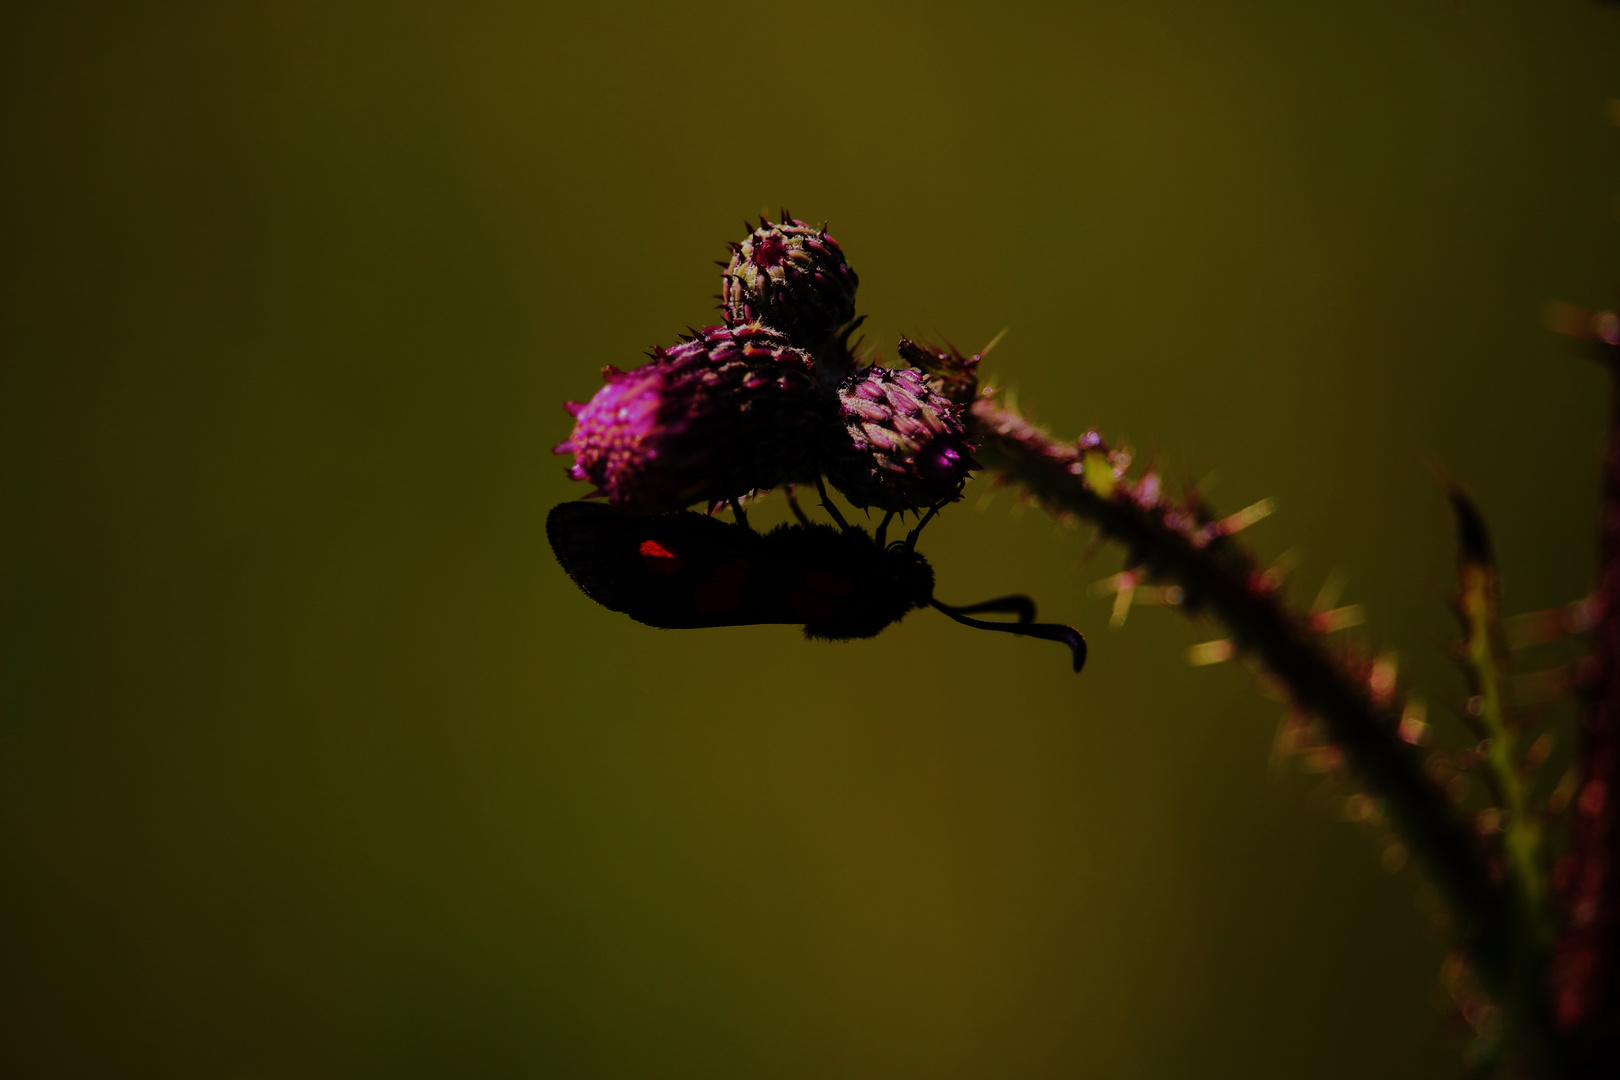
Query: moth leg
883, 530
827, 505
911, 540
793, 504
742, 518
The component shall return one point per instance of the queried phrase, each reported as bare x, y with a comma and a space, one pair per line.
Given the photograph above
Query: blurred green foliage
314, 764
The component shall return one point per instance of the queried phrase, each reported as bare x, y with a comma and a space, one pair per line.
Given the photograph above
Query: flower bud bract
793, 277
898, 443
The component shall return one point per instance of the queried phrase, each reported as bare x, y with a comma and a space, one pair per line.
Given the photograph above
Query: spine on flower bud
731, 410
955, 376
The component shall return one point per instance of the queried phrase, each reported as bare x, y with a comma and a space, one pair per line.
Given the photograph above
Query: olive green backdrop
314, 764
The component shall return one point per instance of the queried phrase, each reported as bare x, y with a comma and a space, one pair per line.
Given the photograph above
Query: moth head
913, 577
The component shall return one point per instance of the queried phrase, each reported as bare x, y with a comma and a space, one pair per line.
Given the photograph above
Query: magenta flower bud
899, 443
791, 276
732, 410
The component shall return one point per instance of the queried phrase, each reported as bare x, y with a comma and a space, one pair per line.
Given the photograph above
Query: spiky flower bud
899, 443
728, 411
792, 276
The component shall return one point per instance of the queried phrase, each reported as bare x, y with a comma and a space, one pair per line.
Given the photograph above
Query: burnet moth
685, 570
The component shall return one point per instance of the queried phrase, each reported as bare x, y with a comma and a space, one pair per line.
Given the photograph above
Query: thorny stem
1485, 659
1185, 546
1586, 968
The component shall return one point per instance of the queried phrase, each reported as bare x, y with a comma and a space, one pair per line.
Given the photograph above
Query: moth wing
841, 585
677, 571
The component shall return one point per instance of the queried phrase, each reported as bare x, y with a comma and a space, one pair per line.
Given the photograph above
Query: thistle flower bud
728, 411
899, 444
792, 276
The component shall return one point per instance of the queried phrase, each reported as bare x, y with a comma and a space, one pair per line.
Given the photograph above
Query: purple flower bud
729, 411
791, 276
899, 443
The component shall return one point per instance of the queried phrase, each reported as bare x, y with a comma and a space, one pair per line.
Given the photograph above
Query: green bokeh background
314, 764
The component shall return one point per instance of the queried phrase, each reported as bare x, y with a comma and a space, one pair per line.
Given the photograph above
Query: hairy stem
1586, 973
1184, 545
1485, 659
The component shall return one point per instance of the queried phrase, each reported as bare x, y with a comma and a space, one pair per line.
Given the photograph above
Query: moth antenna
827, 505
793, 504
1068, 635
1018, 604
737, 511
883, 530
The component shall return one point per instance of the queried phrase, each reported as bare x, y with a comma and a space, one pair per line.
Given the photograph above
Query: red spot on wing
811, 604
822, 581
659, 559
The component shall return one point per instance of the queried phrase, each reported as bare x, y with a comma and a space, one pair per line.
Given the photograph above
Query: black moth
685, 570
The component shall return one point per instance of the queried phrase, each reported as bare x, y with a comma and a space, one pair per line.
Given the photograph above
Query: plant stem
1185, 546
1586, 969
1486, 660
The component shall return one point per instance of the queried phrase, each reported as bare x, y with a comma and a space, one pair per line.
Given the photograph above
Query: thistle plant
1529, 878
